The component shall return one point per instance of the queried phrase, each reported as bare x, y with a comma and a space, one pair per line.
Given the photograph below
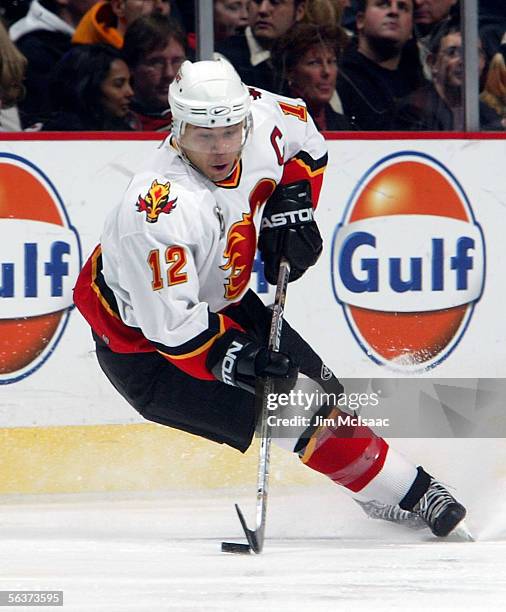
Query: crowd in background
358, 64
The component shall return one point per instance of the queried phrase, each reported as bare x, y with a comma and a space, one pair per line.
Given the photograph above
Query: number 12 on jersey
175, 258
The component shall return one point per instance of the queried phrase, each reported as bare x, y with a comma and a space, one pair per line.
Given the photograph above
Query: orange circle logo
40, 258
408, 262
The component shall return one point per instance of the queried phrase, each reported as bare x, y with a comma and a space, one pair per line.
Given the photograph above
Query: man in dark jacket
371, 76
249, 53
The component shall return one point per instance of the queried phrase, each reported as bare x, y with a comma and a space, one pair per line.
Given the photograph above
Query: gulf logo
408, 262
40, 257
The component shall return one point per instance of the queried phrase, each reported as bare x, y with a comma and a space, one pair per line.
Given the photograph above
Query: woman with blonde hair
12, 73
494, 93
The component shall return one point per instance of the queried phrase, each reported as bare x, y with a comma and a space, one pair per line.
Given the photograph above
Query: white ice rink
155, 552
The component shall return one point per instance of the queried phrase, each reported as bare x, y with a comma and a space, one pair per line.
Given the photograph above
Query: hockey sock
360, 461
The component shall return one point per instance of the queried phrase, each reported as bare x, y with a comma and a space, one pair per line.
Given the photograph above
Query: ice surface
161, 551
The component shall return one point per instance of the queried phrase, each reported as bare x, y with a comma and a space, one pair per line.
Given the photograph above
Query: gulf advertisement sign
408, 262
40, 258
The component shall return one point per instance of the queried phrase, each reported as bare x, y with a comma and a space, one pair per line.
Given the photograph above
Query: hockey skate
441, 511
393, 514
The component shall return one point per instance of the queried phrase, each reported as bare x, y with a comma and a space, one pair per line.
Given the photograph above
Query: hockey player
177, 331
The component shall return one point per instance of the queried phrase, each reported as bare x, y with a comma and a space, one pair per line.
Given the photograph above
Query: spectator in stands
250, 52
154, 49
12, 73
371, 77
90, 87
438, 105
326, 13
430, 15
43, 36
305, 62
230, 18
494, 94
107, 21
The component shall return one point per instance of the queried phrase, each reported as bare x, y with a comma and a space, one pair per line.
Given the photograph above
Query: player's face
315, 76
428, 12
116, 90
270, 19
155, 72
388, 20
214, 151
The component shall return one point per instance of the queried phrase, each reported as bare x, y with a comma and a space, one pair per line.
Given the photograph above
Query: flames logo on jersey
242, 242
156, 201
240, 253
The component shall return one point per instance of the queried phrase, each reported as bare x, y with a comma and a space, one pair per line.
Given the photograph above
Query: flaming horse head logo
156, 201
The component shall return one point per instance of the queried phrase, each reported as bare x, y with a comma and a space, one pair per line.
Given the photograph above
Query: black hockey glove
237, 360
288, 230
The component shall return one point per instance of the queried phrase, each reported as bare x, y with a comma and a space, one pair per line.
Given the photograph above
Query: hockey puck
232, 547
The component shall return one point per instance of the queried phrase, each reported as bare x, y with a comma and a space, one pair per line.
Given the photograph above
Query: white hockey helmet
208, 94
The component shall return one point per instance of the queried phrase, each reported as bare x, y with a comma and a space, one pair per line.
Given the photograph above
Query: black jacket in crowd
336, 121
236, 50
425, 111
43, 49
369, 93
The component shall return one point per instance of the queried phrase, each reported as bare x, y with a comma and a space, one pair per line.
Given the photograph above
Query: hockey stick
256, 537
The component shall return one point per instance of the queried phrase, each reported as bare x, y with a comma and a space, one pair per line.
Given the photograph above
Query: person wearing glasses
154, 49
438, 106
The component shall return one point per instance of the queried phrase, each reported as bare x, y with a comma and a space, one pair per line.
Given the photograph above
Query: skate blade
463, 533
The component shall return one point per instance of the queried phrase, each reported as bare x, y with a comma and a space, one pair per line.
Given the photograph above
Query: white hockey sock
391, 483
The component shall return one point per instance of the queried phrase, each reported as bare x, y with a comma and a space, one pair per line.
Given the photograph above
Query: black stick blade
251, 535
233, 547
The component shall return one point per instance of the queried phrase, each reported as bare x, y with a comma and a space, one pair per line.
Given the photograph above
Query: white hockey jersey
180, 248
